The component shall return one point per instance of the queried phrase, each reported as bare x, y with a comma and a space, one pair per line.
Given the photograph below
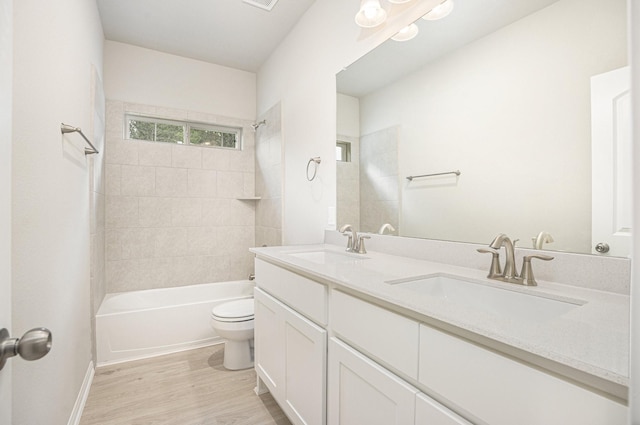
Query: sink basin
328, 257
505, 302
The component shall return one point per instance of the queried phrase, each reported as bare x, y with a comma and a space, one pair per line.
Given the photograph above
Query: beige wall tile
230, 184
113, 246
154, 154
186, 211
138, 181
155, 212
119, 151
113, 175
122, 275
202, 183
170, 242
121, 211
186, 156
171, 182
202, 241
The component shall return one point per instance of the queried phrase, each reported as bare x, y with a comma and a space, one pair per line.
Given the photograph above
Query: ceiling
225, 32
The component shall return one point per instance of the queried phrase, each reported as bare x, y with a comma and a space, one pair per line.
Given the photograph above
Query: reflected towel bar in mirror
65, 128
456, 172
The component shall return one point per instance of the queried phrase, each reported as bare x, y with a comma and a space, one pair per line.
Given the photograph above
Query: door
6, 100
611, 163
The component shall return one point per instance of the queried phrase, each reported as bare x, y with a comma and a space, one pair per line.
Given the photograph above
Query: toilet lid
236, 310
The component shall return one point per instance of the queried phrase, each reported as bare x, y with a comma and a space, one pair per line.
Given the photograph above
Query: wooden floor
187, 388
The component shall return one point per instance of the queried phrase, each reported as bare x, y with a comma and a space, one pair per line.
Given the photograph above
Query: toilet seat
234, 311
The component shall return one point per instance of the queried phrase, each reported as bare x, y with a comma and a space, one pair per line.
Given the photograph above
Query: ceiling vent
262, 4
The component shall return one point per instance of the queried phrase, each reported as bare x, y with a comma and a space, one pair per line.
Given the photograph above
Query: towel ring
317, 161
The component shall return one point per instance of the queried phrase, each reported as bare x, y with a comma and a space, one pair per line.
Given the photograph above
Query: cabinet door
305, 355
362, 392
430, 412
269, 342
290, 358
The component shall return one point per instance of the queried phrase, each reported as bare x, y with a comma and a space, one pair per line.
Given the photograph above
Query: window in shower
343, 151
181, 132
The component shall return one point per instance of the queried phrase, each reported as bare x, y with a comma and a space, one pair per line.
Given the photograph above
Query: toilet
233, 321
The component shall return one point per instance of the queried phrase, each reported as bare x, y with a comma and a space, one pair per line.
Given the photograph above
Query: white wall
6, 71
348, 116
512, 112
301, 74
55, 44
149, 77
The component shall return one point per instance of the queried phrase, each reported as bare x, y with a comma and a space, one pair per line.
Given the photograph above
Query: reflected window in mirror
343, 151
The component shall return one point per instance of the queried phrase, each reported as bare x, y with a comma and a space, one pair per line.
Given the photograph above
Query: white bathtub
139, 324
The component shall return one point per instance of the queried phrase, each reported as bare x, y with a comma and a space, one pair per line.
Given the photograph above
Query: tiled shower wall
174, 214
269, 179
348, 186
379, 184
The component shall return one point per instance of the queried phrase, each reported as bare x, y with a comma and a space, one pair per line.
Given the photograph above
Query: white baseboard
78, 407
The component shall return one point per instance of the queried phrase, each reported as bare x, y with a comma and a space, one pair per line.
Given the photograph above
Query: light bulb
440, 11
406, 33
371, 14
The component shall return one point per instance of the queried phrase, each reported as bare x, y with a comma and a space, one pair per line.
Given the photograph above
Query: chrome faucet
510, 262
542, 238
510, 274
352, 242
355, 243
386, 226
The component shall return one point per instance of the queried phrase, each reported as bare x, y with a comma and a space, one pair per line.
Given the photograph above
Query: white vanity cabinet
290, 351
361, 391
386, 366
503, 391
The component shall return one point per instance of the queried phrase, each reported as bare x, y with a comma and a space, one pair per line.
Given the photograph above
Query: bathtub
140, 324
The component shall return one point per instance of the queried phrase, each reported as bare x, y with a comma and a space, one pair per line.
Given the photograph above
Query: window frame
187, 127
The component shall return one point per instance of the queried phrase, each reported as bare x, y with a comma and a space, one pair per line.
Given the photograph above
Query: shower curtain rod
65, 128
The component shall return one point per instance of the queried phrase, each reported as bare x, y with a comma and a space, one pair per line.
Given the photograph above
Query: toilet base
238, 354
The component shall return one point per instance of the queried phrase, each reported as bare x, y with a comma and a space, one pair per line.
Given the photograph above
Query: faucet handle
527, 271
360, 245
494, 270
349, 242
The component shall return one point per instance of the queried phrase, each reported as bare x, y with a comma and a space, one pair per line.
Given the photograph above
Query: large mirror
526, 99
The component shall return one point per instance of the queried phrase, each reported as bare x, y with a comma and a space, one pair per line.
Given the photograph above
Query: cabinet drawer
386, 336
307, 297
501, 391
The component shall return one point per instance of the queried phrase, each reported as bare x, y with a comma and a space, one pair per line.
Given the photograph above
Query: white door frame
6, 102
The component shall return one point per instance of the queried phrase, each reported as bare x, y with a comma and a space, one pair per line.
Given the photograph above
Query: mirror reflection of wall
511, 111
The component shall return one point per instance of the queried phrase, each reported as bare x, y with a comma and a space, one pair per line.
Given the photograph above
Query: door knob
33, 345
602, 248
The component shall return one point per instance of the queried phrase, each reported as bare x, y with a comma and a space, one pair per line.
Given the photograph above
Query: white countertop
592, 338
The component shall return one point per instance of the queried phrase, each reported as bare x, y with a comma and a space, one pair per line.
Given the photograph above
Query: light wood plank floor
187, 388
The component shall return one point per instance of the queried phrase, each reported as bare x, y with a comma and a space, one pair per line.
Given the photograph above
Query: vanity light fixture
371, 14
406, 33
440, 11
